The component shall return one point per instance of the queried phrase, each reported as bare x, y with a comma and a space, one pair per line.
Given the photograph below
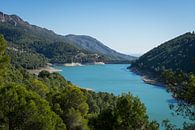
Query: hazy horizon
130, 27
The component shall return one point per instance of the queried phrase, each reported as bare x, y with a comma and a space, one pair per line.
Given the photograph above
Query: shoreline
48, 68
147, 78
80, 64
151, 81
83, 64
72, 64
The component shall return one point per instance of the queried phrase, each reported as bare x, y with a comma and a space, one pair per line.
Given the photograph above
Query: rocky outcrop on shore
147, 77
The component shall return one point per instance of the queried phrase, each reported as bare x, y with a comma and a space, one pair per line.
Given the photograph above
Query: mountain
48, 46
20, 26
172, 65
176, 55
95, 46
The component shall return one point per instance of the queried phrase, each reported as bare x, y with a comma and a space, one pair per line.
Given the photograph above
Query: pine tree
4, 59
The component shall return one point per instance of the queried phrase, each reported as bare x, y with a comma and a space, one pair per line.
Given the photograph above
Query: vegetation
26, 59
176, 55
173, 63
48, 102
4, 59
95, 46
44, 45
22, 109
123, 115
182, 86
33, 49
60, 52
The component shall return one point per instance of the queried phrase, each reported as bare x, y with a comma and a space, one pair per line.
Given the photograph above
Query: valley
51, 81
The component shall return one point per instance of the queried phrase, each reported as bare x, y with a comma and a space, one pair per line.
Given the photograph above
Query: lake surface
115, 78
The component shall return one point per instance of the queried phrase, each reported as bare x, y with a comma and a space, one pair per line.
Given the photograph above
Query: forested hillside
49, 102
177, 54
45, 45
41, 42
173, 64
95, 46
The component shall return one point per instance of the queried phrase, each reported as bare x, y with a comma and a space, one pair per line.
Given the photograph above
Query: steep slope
177, 54
46, 44
93, 45
23, 37
15, 23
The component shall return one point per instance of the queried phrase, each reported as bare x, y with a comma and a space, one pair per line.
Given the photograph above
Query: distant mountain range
95, 46
48, 46
176, 55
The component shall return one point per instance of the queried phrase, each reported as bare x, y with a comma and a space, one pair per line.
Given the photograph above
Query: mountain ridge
56, 48
176, 55
94, 45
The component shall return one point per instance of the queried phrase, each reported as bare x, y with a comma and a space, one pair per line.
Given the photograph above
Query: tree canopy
49, 102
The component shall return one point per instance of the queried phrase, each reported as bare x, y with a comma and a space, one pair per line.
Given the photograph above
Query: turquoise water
115, 78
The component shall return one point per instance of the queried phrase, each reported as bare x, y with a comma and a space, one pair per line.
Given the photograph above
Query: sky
128, 26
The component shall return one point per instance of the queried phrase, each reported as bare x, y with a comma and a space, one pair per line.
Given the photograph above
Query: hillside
95, 46
173, 65
49, 102
177, 54
46, 45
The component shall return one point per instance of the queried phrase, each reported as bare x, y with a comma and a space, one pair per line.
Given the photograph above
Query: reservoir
117, 79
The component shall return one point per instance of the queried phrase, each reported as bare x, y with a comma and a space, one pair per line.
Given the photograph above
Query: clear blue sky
129, 26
